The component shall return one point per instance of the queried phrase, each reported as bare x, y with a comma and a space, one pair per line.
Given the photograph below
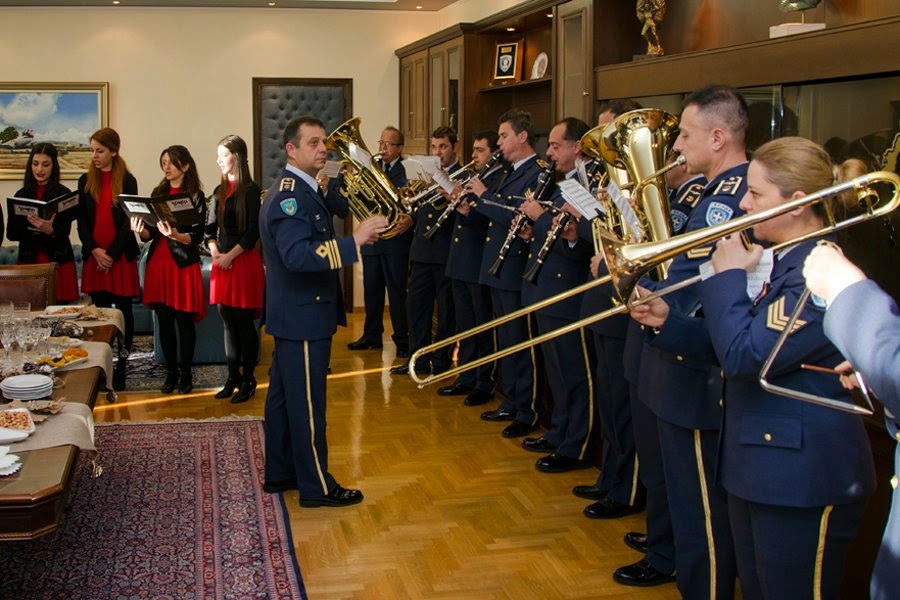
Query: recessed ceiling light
271, 4
418, 8
510, 29
549, 15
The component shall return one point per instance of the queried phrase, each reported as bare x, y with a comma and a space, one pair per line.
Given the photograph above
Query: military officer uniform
471, 300
304, 307
430, 286
680, 384
872, 345
518, 372
798, 475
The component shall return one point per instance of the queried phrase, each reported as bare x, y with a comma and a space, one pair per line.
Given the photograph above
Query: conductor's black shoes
364, 344
339, 496
641, 574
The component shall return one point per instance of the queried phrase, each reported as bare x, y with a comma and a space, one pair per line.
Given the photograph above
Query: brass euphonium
367, 188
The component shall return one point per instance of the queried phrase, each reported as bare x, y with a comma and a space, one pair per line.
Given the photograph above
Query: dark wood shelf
518, 85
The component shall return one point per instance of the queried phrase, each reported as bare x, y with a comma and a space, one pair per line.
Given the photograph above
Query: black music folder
19, 209
178, 210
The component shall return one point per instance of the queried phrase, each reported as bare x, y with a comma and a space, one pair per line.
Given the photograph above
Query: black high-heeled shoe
248, 389
169, 384
186, 383
227, 390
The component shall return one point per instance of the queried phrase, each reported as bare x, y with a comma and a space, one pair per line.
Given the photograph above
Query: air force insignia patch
718, 213
679, 220
289, 206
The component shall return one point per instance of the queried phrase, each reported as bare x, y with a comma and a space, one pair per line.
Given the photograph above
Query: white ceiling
426, 5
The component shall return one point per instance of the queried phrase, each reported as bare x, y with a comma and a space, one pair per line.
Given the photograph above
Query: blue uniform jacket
303, 261
467, 245
773, 449
510, 192
432, 251
680, 383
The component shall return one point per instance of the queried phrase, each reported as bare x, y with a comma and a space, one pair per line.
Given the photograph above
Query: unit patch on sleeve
289, 206
718, 213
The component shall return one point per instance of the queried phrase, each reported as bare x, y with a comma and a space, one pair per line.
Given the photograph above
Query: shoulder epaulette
729, 186
542, 163
691, 195
287, 184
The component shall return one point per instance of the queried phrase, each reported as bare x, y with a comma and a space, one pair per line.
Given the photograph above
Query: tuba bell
367, 188
634, 147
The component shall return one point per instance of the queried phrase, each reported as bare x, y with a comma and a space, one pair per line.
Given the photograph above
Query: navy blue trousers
471, 307
380, 272
429, 287
518, 372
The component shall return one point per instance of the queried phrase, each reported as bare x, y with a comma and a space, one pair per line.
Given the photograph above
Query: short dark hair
520, 121
400, 136
725, 105
445, 132
291, 134
620, 106
575, 129
490, 136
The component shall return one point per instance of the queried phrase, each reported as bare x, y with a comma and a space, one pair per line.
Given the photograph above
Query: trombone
628, 263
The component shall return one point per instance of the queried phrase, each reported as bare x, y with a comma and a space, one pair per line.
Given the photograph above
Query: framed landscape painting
64, 114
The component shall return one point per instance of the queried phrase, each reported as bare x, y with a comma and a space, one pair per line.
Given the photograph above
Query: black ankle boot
248, 389
119, 370
186, 383
168, 385
233, 381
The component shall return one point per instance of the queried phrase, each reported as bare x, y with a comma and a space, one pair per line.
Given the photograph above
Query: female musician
237, 279
109, 272
47, 240
798, 475
173, 285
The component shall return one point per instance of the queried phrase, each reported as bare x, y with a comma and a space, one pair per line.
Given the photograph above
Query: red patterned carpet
178, 513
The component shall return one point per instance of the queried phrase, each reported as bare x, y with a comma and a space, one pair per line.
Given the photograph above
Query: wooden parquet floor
452, 509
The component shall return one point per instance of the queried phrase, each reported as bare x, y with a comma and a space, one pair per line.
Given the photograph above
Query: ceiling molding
407, 5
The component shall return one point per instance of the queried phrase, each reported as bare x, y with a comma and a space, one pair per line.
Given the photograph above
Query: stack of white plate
9, 463
26, 387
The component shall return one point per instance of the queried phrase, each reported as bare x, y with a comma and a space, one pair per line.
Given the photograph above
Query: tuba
634, 147
367, 188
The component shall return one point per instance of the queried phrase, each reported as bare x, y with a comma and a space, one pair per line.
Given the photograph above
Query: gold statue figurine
651, 12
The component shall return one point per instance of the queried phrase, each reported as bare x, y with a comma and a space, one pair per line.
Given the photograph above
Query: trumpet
451, 206
432, 193
627, 263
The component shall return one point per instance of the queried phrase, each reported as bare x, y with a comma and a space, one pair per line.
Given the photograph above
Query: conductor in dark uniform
304, 305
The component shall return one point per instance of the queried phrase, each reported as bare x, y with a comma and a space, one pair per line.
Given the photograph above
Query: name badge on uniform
718, 213
728, 187
289, 206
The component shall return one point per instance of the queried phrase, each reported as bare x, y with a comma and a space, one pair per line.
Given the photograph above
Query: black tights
241, 339
123, 303
168, 317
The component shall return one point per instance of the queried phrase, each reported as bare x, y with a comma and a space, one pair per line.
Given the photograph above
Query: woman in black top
237, 279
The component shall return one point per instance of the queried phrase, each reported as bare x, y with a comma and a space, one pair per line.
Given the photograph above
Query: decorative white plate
539, 68
26, 382
9, 459
63, 311
77, 361
27, 432
10, 469
8, 436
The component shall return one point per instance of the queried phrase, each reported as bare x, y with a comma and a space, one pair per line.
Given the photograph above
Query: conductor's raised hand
369, 230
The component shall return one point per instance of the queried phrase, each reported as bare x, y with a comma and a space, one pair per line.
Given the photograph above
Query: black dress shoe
637, 541
402, 352
457, 389
364, 344
274, 487
607, 508
169, 384
538, 445
557, 463
518, 429
641, 574
248, 389
477, 398
497, 415
227, 390
401, 369
588, 492
339, 496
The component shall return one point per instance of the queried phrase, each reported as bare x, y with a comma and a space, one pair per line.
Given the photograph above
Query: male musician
471, 300
685, 191
681, 382
428, 284
304, 305
385, 263
521, 404
574, 420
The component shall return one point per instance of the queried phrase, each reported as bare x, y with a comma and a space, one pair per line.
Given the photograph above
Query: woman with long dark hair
173, 285
237, 279
109, 272
47, 240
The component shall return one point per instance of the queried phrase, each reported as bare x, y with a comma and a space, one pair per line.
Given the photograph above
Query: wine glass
7, 336
6, 310
22, 309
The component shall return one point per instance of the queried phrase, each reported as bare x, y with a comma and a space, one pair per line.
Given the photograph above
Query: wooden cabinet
575, 65
413, 100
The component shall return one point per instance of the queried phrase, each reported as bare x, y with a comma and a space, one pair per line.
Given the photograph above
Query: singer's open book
177, 210
19, 209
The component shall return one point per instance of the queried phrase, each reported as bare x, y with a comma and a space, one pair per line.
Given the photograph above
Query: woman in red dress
109, 272
237, 279
173, 285
47, 240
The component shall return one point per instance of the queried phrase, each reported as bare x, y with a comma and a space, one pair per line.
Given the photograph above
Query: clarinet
521, 219
555, 230
452, 206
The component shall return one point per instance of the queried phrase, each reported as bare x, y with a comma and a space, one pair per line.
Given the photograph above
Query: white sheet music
580, 198
443, 179
624, 207
756, 278
331, 169
421, 167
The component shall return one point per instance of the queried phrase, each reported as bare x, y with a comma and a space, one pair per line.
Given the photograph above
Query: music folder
178, 210
19, 209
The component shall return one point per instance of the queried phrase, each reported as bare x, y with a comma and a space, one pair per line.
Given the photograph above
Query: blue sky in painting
66, 117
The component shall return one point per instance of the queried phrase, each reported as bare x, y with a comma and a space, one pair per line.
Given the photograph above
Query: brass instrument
367, 188
432, 195
451, 206
627, 263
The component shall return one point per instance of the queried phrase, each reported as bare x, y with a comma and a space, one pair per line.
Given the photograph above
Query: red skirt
178, 287
121, 279
66, 278
242, 285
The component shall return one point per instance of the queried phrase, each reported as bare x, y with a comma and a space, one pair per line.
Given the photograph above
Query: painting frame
508, 61
63, 113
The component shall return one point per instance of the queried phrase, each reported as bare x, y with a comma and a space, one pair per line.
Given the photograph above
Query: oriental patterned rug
178, 513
